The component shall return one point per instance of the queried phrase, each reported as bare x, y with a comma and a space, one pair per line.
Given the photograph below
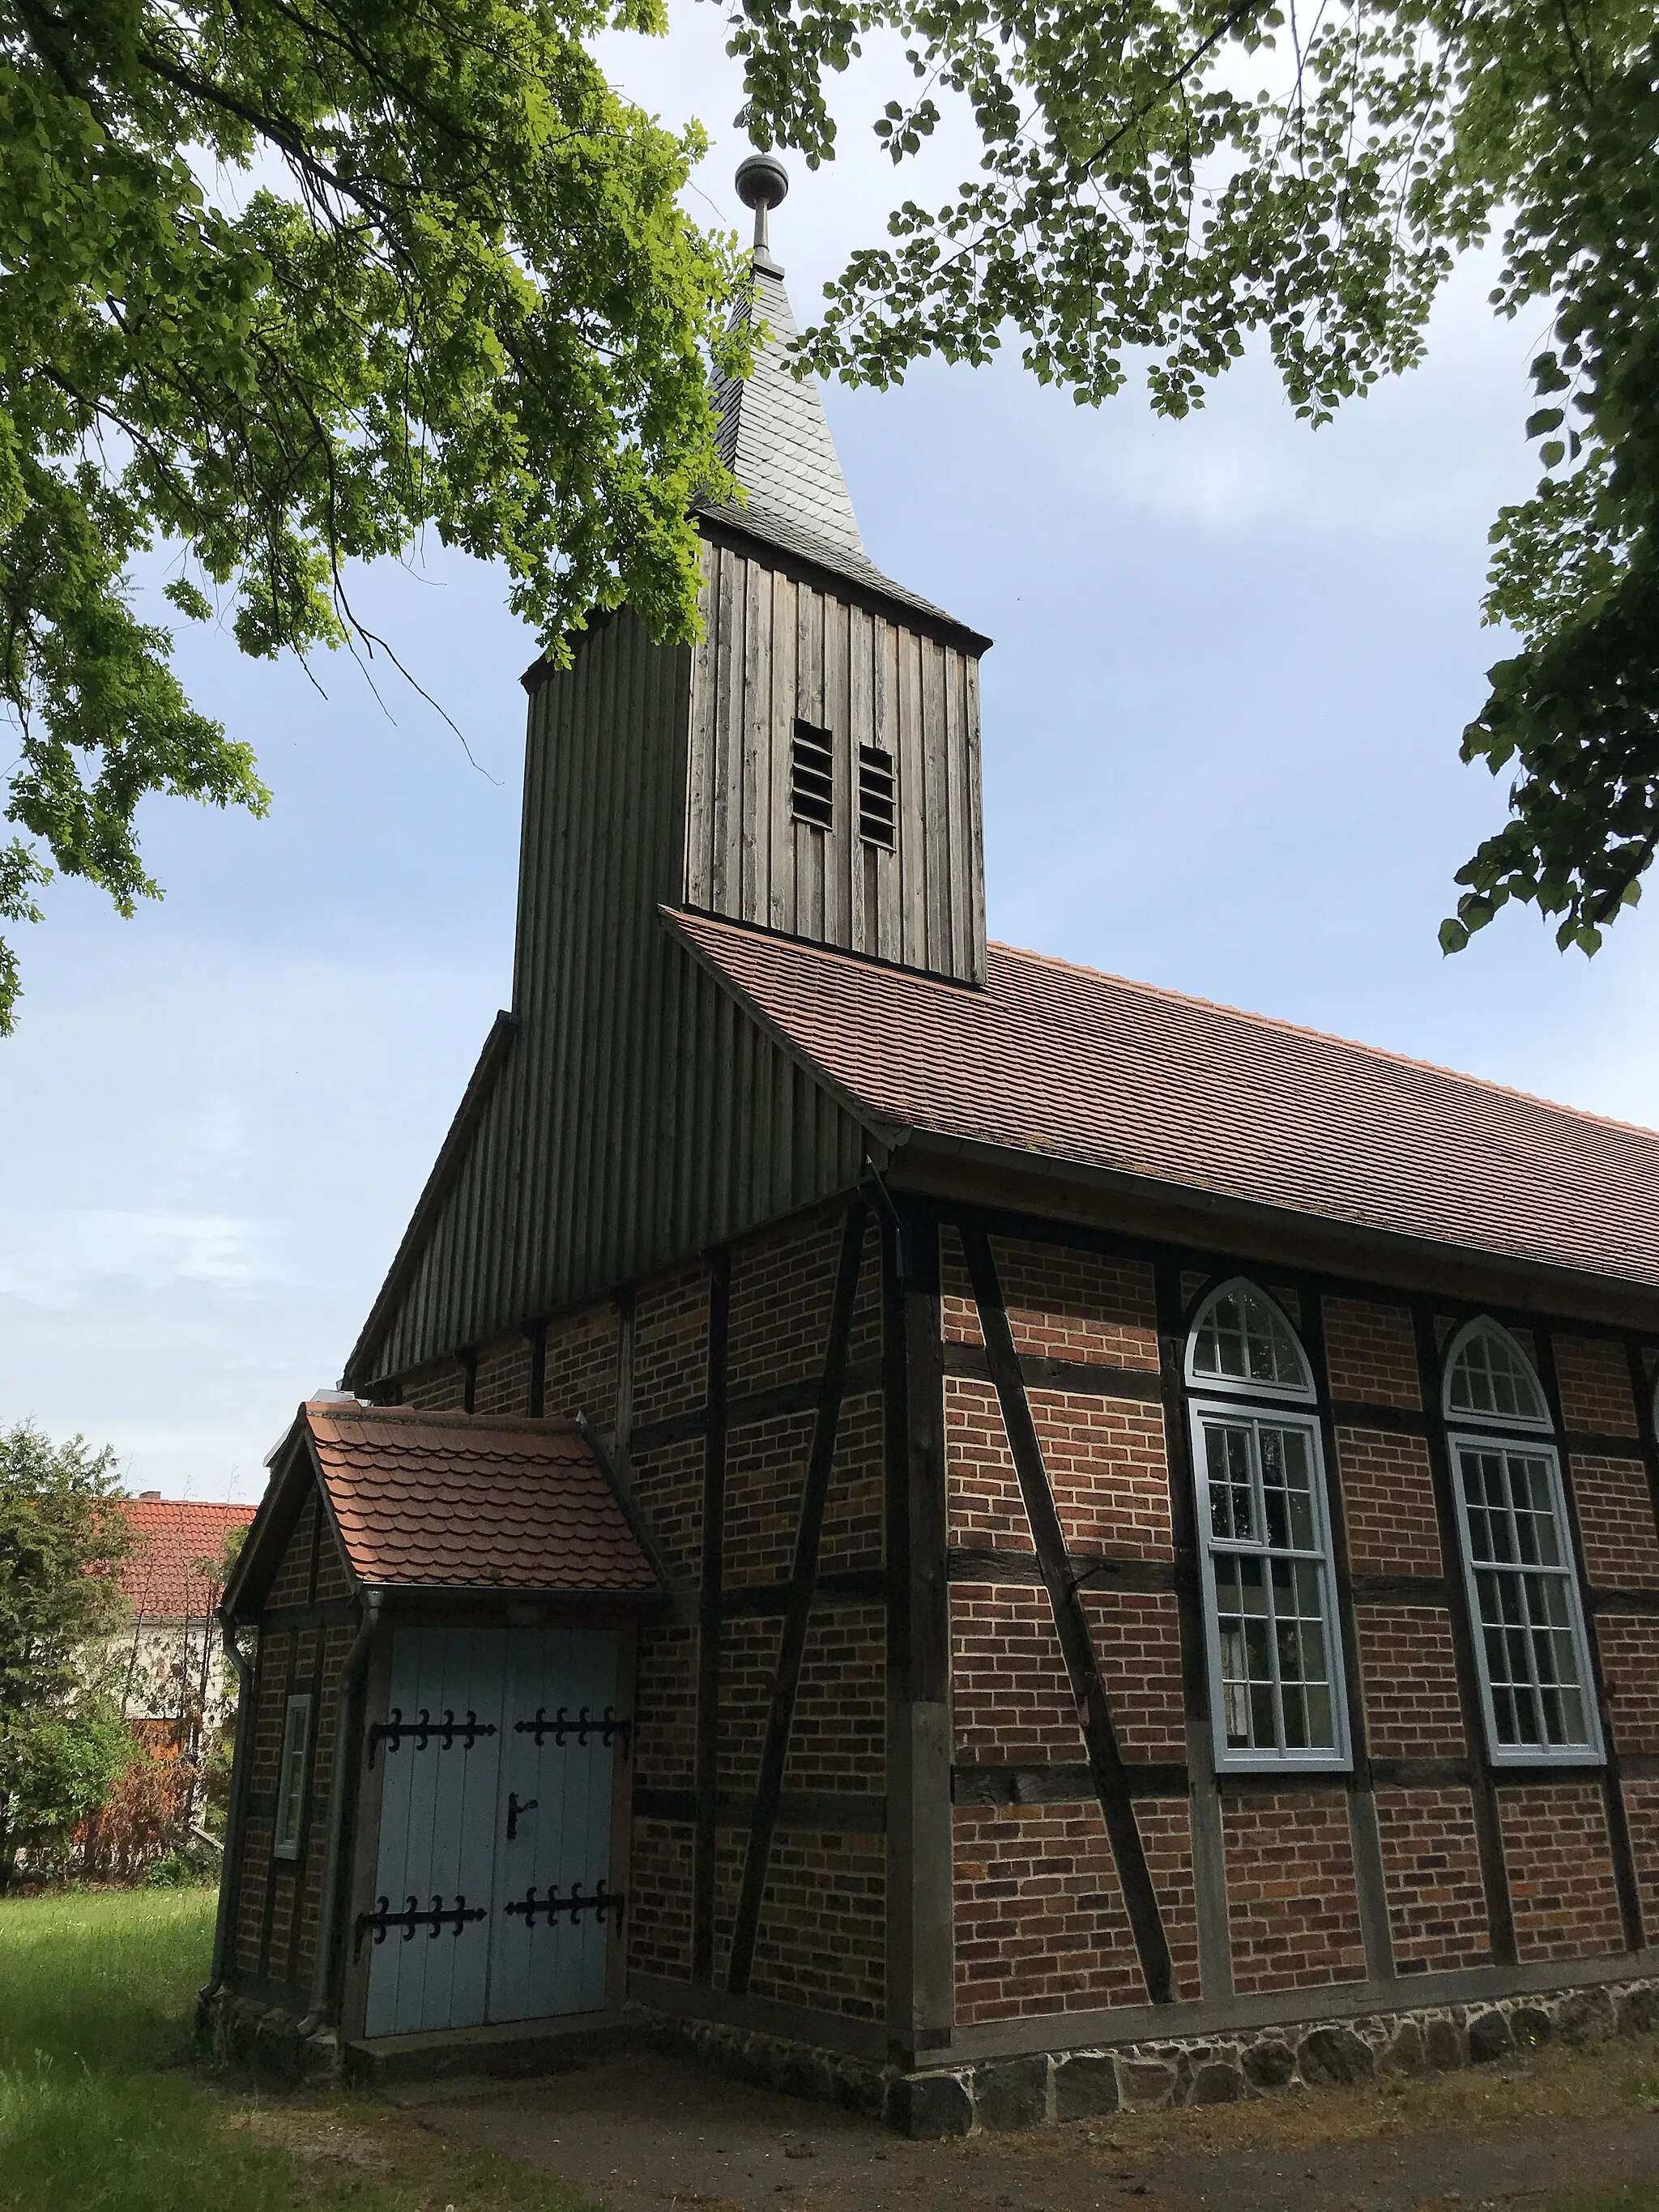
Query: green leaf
437, 278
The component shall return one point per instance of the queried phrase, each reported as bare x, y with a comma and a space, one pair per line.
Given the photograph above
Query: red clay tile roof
472, 1502
171, 1532
1077, 1066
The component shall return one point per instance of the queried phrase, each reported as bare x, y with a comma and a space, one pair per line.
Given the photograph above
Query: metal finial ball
763, 180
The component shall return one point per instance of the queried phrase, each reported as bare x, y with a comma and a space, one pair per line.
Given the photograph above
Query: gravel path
643, 2134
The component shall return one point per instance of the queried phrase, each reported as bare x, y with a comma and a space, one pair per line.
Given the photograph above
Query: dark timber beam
1483, 1796
1364, 1836
706, 1843
536, 1388
1215, 1946
1105, 1759
792, 1650
920, 1908
1614, 1807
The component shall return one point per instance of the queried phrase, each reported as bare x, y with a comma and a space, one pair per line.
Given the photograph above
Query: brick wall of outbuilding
274, 1923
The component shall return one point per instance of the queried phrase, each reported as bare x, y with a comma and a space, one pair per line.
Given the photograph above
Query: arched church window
1489, 1377
1530, 1642
1265, 1548
1241, 1340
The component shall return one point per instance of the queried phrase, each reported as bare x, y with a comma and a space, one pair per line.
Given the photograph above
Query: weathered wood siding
775, 648
639, 1116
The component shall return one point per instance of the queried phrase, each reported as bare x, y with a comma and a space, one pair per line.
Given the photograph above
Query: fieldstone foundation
1048, 2086
265, 2041
1084, 2084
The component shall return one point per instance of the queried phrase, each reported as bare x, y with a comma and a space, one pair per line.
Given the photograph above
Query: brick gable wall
1041, 1925
273, 1929
1371, 1354
821, 1936
1388, 1492
1555, 1844
1615, 1519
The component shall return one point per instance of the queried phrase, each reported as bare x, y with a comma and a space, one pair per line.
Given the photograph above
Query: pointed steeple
773, 437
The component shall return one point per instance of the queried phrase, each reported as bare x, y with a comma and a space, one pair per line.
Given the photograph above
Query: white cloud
46, 1253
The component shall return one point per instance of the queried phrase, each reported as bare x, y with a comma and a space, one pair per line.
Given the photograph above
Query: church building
942, 1527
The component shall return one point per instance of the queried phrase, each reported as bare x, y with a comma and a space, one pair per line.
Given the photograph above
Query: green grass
102, 2109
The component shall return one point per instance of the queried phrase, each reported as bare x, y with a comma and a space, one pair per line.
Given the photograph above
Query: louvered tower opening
876, 815
811, 777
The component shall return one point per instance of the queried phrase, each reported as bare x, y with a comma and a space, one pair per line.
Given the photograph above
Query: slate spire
773, 435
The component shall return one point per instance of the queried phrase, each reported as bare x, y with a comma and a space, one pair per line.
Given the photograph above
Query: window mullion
1530, 1645
1517, 1579
1269, 1602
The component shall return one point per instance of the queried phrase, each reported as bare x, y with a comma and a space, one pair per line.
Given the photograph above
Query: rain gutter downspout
230, 1869
350, 1668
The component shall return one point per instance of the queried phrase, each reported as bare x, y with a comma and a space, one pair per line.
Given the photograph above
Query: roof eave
526, 1593
828, 575
445, 1170
273, 1523
1403, 1261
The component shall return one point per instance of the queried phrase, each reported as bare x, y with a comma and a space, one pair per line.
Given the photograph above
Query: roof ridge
1324, 1036
190, 1505
535, 1425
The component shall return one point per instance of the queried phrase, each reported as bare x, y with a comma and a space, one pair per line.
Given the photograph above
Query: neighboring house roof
1075, 1065
473, 1501
157, 1577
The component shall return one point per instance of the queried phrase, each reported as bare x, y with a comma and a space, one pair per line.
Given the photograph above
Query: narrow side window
1531, 1649
1275, 1655
1276, 1692
291, 1776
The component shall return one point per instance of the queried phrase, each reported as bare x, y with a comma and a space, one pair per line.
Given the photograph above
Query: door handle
516, 1805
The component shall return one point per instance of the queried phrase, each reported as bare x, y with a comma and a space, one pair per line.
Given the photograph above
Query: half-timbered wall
742, 1398
923, 1749
755, 1454
306, 1634
1064, 1422
778, 647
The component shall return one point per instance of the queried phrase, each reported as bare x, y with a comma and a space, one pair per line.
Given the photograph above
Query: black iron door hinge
601, 1904
447, 1732
435, 1918
607, 1728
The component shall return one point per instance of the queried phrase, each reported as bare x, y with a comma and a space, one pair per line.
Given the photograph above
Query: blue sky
1233, 658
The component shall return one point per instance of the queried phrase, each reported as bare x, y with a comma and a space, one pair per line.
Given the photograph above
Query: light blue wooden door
549, 1929
435, 1871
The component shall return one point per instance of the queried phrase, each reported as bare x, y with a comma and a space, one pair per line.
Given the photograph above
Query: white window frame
1240, 1385
1522, 1437
291, 1770
1463, 1416
1337, 1757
